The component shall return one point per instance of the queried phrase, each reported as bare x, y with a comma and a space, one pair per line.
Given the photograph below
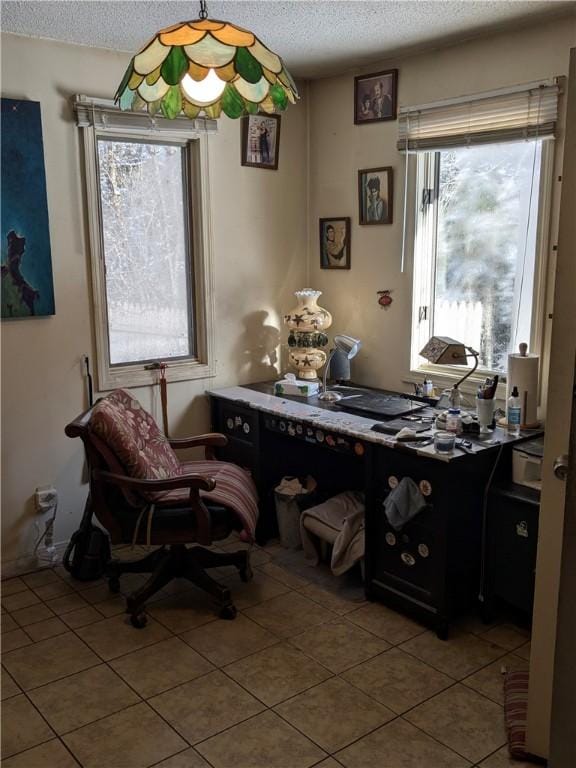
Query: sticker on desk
423, 550
230, 422
425, 488
390, 539
522, 529
393, 481
408, 559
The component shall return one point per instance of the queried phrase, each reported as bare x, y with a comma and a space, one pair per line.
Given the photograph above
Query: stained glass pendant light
209, 67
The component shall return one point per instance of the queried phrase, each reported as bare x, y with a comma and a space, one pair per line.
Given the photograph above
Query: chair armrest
193, 481
211, 441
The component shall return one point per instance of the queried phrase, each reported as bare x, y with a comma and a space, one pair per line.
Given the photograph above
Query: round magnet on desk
291, 430
423, 550
298, 429
358, 449
230, 422
390, 539
246, 427
393, 481
425, 488
408, 559
282, 426
319, 436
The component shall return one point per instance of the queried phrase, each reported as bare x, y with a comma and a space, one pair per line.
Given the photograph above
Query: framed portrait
261, 141
335, 243
375, 97
375, 195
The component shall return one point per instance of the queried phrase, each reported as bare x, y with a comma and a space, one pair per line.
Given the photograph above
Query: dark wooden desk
432, 567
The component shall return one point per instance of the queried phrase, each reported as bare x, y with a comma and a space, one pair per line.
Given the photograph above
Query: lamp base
330, 396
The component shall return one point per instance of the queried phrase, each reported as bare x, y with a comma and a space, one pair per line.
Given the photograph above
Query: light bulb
206, 91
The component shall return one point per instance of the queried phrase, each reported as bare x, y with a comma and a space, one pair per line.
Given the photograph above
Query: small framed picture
261, 141
335, 243
375, 97
375, 195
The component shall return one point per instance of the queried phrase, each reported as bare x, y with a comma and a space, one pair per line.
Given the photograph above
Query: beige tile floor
307, 675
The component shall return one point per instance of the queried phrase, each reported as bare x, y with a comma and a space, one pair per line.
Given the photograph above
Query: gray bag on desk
403, 503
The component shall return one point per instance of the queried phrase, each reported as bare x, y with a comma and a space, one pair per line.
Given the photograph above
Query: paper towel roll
523, 373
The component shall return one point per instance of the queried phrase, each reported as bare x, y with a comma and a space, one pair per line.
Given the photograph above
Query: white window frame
425, 226
98, 118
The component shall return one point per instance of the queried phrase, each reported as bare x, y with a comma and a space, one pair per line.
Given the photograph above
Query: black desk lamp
349, 346
442, 350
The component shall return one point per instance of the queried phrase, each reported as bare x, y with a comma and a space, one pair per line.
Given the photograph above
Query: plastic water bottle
514, 413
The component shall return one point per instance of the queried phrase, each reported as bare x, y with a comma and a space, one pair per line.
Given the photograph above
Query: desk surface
326, 416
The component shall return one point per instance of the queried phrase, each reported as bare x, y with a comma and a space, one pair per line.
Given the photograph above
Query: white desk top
337, 421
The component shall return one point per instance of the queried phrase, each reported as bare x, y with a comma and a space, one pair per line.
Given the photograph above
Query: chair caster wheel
138, 620
114, 584
228, 612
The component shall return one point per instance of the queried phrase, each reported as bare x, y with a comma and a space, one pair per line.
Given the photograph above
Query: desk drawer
412, 555
239, 423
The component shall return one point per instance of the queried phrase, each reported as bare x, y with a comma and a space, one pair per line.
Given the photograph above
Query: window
475, 264
143, 190
148, 215
482, 187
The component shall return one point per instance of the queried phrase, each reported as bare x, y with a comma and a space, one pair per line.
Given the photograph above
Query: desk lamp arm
475, 355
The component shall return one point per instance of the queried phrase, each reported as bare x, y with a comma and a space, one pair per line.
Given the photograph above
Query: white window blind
513, 114
101, 114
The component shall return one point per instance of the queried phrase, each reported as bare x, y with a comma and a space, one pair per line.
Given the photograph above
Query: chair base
178, 561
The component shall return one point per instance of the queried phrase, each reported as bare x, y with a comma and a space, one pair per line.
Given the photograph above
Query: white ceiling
315, 38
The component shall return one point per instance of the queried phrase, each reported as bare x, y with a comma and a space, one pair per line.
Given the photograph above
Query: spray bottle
513, 414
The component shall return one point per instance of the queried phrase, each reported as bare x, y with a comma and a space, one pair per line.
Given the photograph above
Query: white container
526, 469
290, 385
485, 412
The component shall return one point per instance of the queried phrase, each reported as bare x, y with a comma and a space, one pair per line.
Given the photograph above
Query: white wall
259, 258
338, 149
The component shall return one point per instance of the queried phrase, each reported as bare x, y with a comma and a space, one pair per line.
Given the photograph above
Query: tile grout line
280, 639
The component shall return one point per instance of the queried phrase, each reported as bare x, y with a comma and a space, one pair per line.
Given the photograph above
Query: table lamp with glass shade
348, 346
442, 350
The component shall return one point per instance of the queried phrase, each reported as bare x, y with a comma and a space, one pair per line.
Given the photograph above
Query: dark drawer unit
512, 539
241, 425
431, 568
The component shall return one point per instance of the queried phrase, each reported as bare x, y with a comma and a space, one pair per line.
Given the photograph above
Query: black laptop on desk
379, 405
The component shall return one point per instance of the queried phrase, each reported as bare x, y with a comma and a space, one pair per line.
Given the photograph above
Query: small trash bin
291, 495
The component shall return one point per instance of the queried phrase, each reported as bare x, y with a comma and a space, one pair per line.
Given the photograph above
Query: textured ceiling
314, 38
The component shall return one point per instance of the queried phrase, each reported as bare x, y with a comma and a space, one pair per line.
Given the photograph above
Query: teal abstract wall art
27, 286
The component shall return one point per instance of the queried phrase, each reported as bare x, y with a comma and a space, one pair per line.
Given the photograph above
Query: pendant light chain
203, 10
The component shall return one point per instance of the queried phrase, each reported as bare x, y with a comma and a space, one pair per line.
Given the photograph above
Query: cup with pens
485, 404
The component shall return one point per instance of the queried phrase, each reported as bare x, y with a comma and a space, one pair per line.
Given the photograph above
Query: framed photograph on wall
375, 195
335, 243
261, 141
375, 97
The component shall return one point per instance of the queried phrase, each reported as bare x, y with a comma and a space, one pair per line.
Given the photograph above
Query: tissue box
290, 385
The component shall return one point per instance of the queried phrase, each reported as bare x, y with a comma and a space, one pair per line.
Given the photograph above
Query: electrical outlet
45, 498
